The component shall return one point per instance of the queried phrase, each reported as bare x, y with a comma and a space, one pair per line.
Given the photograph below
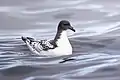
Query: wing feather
42, 45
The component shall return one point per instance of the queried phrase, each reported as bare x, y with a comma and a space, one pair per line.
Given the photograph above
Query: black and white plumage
59, 46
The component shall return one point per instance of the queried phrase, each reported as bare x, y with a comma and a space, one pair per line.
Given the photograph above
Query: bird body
59, 46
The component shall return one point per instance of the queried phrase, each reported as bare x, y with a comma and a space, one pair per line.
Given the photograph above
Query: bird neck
61, 38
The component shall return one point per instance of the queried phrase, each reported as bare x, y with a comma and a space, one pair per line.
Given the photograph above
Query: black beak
71, 28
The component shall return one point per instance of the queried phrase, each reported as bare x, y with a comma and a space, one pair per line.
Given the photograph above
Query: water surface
95, 43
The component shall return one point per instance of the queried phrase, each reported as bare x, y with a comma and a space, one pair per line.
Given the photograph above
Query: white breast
64, 46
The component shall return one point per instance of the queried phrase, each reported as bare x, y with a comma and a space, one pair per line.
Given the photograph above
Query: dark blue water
96, 45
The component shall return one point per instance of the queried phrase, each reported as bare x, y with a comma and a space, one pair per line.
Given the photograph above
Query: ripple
95, 43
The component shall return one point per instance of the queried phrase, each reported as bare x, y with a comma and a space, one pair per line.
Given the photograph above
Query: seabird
59, 46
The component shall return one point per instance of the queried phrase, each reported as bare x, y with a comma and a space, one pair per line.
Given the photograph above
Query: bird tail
27, 39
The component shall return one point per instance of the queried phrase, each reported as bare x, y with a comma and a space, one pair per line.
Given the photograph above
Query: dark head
65, 25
